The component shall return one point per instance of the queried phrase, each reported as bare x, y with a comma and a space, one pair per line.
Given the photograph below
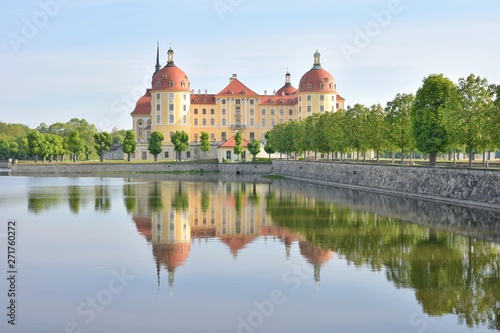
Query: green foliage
8, 149
204, 142
36, 142
254, 148
118, 136
428, 113
375, 134
238, 149
103, 142
155, 144
398, 122
180, 140
269, 148
74, 144
13, 132
358, 128
129, 143
468, 114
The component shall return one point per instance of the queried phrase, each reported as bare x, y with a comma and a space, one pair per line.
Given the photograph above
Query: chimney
265, 92
274, 92
235, 76
206, 91
199, 91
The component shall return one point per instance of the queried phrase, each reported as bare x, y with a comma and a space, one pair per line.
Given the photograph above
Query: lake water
161, 253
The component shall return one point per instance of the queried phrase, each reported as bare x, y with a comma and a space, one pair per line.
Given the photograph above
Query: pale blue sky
92, 59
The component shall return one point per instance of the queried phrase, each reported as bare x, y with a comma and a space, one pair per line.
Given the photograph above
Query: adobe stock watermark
223, 6
88, 310
266, 308
364, 35
125, 104
31, 26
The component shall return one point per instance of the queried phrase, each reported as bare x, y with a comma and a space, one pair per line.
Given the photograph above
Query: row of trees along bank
442, 117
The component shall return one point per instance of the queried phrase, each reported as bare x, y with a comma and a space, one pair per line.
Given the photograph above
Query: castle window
204, 122
195, 100
171, 107
252, 136
223, 121
195, 121
223, 101
263, 112
252, 111
158, 119
237, 101
321, 85
184, 108
282, 112
223, 112
195, 111
272, 112
212, 122
204, 100
212, 112
251, 102
263, 122
188, 155
223, 136
308, 108
166, 156
171, 119
184, 119
321, 108
164, 77
184, 97
308, 98
212, 136
158, 107
196, 137
158, 84
321, 97
252, 122
272, 122
204, 111
183, 84
309, 86
171, 95
171, 83
158, 96
290, 112
230, 92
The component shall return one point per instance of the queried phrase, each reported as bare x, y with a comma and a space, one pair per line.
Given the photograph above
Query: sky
92, 59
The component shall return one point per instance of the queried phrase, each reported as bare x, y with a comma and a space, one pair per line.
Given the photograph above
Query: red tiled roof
287, 89
279, 100
235, 87
171, 73
198, 99
315, 76
231, 143
143, 105
340, 98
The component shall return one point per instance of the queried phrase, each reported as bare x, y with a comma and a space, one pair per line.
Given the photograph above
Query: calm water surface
203, 254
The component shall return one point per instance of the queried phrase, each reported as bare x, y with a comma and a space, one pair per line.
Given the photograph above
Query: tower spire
157, 67
317, 60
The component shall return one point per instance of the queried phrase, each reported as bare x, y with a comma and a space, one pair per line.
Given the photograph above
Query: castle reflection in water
172, 217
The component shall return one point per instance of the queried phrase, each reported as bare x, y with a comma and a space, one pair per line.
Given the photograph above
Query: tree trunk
128, 157
488, 160
432, 159
402, 155
455, 157
101, 157
156, 157
378, 157
393, 157
357, 156
470, 157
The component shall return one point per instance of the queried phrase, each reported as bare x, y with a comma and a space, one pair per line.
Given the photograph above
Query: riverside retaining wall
100, 168
448, 184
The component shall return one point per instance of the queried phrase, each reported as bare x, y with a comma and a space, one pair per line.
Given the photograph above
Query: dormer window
164, 77
195, 100
204, 100
244, 92
321, 85
326, 79
230, 92
183, 84
309, 86
171, 83
158, 84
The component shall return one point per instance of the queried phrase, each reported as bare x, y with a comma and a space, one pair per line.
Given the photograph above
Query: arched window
158, 84
140, 128
171, 83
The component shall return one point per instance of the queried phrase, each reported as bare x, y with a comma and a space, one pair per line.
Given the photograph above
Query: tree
55, 145
8, 149
469, 115
398, 122
254, 148
103, 142
238, 149
376, 130
129, 143
428, 113
74, 144
155, 144
358, 128
268, 148
204, 142
35, 144
180, 140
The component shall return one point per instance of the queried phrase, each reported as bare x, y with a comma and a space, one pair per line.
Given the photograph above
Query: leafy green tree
254, 148
103, 142
358, 128
311, 134
204, 142
86, 131
376, 130
428, 114
398, 122
155, 144
13, 132
8, 149
117, 136
129, 144
36, 141
470, 115
494, 124
74, 144
55, 145
269, 148
238, 149
180, 140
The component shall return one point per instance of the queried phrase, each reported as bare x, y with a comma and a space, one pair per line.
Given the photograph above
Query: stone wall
245, 168
99, 168
450, 184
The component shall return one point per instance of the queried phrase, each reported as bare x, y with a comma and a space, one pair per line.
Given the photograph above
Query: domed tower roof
170, 77
143, 105
317, 79
287, 89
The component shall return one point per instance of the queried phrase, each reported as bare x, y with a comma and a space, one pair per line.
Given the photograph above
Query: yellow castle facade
171, 105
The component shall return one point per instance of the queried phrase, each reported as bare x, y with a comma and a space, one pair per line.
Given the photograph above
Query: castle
170, 105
